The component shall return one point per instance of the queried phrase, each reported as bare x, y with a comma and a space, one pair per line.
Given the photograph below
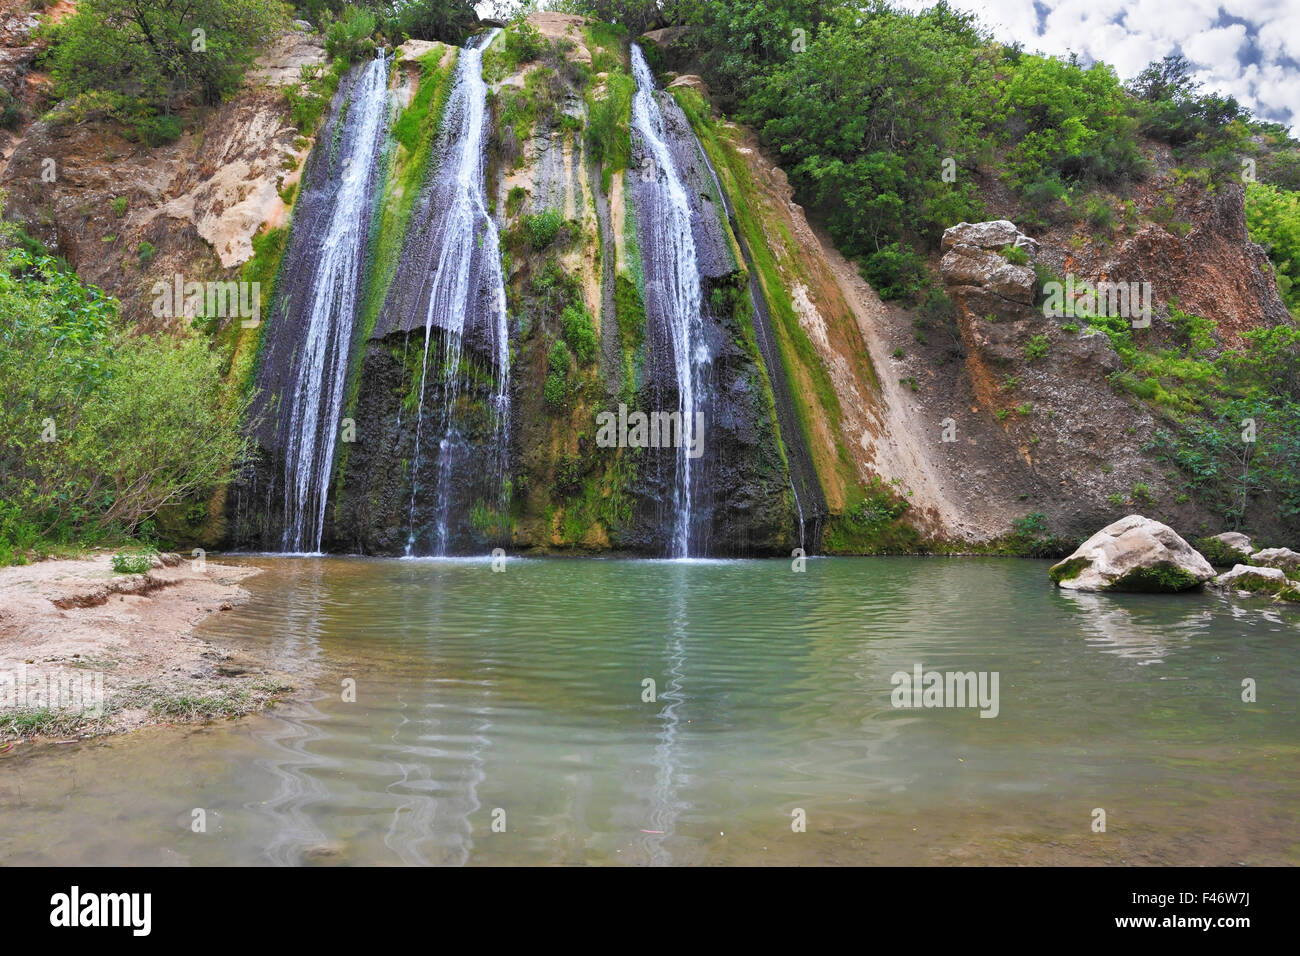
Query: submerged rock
1133, 554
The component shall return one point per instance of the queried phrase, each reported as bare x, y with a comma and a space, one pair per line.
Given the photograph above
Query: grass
137, 562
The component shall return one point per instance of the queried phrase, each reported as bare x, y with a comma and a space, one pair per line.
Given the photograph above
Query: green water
522, 691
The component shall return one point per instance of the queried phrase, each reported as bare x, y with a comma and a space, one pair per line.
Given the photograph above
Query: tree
156, 51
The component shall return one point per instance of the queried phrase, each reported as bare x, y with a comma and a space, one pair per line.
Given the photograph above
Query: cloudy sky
1249, 49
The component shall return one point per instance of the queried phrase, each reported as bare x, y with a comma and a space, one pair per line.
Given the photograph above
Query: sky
1249, 49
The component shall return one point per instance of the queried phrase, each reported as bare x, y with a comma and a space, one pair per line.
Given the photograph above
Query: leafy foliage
143, 56
1273, 216
99, 429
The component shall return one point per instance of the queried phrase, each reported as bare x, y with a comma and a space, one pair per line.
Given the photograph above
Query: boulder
1283, 559
982, 235
1236, 541
972, 260
690, 81
1245, 577
1133, 554
970, 266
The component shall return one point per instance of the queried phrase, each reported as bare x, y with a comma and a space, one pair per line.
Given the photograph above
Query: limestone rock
1236, 541
1133, 554
982, 235
967, 265
1283, 559
1245, 577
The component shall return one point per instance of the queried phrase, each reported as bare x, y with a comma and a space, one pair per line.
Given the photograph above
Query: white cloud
1129, 34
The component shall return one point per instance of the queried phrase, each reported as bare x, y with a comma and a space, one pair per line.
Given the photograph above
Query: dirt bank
85, 651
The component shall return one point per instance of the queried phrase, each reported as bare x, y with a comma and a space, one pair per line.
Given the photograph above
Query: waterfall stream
465, 283
316, 398
673, 294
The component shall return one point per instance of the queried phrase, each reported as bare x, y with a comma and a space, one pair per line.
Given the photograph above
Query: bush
1273, 217
148, 52
1036, 347
349, 37
556, 389
1100, 215
896, 272
137, 562
541, 229
11, 111
579, 332
100, 429
447, 20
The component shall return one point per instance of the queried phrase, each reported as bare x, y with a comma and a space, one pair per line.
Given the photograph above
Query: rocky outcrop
1213, 270
979, 274
126, 214
1283, 559
1245, 577
1236, 541
1133, 554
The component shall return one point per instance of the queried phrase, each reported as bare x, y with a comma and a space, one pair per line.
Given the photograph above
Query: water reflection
521, 690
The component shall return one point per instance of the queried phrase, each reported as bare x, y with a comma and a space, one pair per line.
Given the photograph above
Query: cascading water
321, 362
465, 270
673, 288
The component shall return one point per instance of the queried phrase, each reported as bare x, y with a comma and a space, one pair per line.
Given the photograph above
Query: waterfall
464, 271
338, 252
672, 287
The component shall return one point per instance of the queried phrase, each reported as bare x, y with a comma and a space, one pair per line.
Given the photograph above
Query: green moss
1219, 554
811, 387
1067, 570
1162, 578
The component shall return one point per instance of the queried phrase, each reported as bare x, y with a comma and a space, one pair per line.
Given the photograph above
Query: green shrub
100, 428
541, 229
1036, 347
579, 332
556, 389
896, 272
119, 206
1100, 215
137, 562
1016, 255
155, 130
349, 37
145, 55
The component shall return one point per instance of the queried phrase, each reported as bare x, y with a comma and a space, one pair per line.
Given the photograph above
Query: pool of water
520, 698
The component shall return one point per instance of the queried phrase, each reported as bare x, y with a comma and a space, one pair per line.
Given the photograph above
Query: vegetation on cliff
100, 429
139, 61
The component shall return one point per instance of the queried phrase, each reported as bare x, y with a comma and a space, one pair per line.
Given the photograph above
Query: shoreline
85, 651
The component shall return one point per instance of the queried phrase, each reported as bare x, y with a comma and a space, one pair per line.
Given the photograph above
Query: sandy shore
86, 651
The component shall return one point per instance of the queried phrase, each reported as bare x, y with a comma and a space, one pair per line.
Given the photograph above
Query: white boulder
1133, 554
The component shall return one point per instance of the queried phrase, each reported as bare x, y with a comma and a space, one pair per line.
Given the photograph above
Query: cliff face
565, 490
826, 400
126, 215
